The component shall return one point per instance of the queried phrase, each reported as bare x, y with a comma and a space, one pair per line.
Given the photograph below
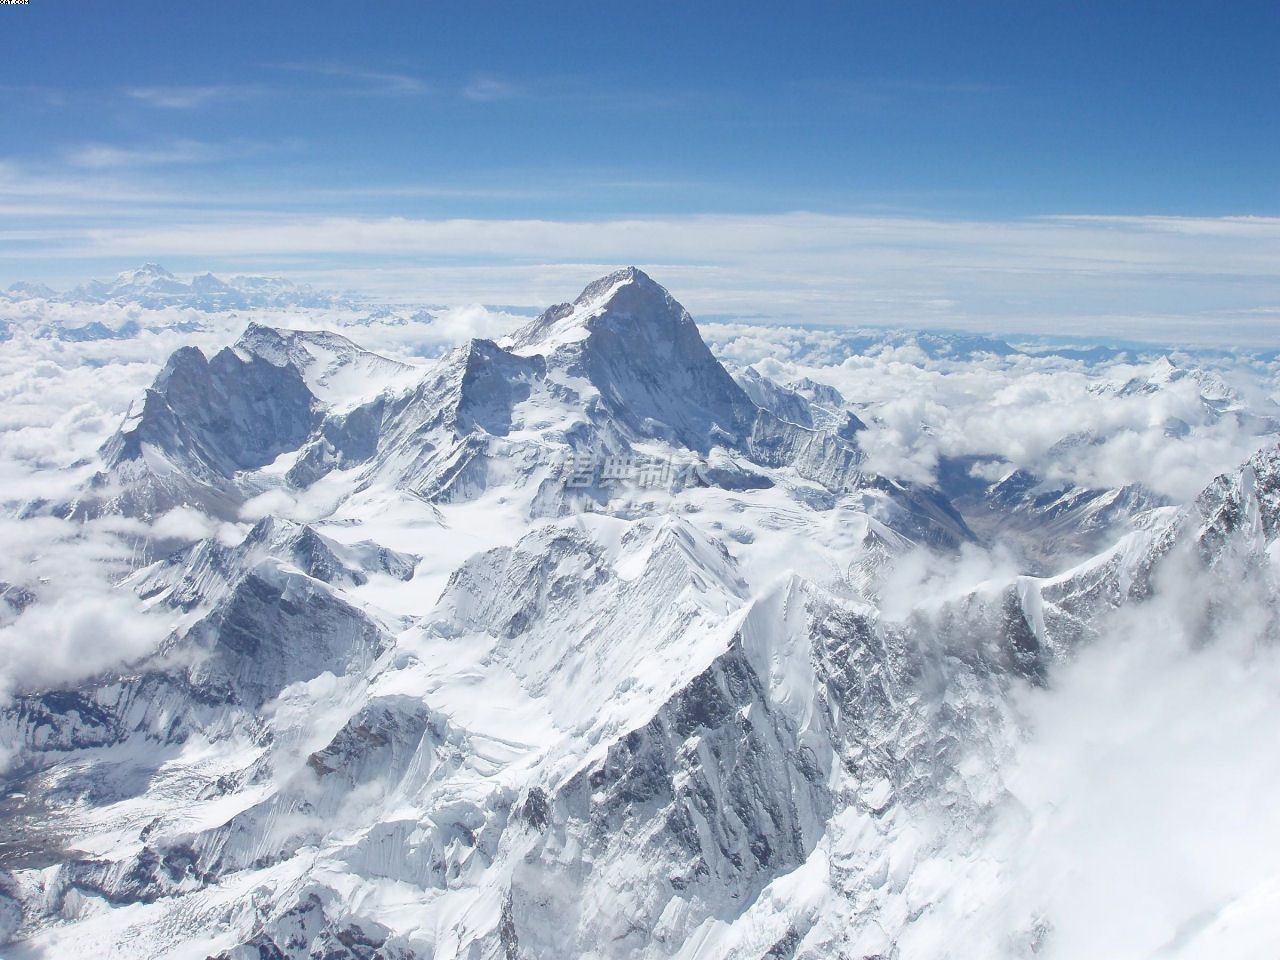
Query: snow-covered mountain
620, 375
151, 285
573, 644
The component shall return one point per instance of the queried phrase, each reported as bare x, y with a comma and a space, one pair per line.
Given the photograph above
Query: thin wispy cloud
106, 156
1020, 246
484, 89
1212, 280
365, 81
76, 191
1262, 227
168, 153
580, 92
191, 97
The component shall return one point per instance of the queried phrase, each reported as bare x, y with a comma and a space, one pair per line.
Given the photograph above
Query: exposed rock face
216, 417
635, 734
642, 352
621, 368
1052, 521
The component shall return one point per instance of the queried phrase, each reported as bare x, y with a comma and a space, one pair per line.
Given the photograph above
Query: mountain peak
642, 351
609, 283
629, 289
147, 271
29, 289
628, 295
208, 283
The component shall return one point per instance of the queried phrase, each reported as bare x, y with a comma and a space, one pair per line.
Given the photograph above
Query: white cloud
1021, 408
189, 97
1193, 281
184, 523
79, 624
1133, 802
486, 89
271, 503
941, 578
456, 325
101, 156
73, 636
1150, 803
380, 82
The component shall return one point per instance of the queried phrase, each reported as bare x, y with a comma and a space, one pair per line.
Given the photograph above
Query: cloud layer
1180, 280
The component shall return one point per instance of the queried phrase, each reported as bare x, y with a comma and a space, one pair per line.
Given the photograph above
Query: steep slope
643, 354
206, 431
601, 740
621, 373
338, 373
1053, 521
203, 422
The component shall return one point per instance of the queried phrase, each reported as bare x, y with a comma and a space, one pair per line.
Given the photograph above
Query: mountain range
572, 643
151, 285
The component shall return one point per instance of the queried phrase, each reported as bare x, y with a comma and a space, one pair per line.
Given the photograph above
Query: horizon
1026, 340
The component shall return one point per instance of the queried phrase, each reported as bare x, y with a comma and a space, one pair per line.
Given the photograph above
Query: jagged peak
29, 288
632, 292
643, 353
265, 341
478, 348
1164, 370
473, 354
608, 284
206, 282
184, 358
270, 528
628, 294
337, 370
145, 271
255, 329
274, 343
480, 361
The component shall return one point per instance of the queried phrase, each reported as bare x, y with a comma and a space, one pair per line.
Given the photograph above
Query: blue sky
384, 144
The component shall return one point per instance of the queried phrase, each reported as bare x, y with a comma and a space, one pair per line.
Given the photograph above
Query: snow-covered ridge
421, 677
621, 373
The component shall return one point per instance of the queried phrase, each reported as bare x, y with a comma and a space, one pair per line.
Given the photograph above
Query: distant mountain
151, 285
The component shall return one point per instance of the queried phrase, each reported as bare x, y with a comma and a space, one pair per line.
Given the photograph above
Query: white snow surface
342, 666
